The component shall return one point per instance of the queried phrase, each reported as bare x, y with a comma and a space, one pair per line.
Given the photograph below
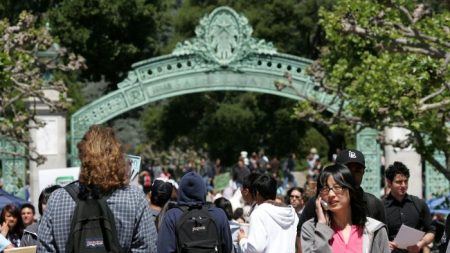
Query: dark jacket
192, 191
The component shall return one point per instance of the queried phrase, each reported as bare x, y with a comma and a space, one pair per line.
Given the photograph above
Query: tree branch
437, 105
432, 95
406, 13
427, 156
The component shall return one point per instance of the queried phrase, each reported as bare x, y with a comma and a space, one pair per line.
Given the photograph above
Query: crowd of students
337, 217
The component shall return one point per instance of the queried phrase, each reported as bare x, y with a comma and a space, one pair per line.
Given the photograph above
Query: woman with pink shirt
341, 224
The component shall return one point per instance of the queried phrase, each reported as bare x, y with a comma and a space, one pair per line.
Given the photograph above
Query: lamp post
50, 139
49, 57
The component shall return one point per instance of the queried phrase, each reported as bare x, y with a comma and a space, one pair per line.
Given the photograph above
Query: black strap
73, 190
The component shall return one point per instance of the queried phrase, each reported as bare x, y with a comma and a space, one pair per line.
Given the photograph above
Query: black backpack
197, 231
93, 226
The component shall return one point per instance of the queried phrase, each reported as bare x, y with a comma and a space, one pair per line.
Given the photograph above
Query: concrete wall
407, 156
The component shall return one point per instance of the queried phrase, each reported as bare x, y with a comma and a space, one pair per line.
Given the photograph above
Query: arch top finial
223, 37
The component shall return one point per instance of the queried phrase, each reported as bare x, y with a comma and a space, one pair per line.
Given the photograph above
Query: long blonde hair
103, 162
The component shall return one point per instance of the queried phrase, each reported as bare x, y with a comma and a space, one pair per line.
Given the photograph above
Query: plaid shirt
135, 227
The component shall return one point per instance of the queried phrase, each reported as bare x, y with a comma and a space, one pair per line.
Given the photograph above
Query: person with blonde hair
104, 171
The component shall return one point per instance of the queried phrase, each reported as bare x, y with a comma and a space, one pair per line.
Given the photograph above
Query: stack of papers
407, 236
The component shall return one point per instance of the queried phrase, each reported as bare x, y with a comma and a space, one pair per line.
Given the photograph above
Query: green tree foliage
389, 62
224, 124
111, 35
24, 78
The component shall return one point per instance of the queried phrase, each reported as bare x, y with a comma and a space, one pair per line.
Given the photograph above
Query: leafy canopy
389, 62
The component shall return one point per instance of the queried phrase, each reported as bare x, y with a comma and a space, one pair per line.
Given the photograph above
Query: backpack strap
73, 190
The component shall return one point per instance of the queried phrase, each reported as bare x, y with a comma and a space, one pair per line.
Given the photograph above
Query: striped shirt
135, 226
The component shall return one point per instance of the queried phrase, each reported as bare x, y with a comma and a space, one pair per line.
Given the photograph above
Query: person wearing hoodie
341, 224
272, 225
191, 192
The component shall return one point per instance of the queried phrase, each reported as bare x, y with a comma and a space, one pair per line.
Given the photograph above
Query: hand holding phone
325, 205
322, 213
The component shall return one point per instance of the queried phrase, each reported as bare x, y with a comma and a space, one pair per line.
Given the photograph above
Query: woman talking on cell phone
343, 227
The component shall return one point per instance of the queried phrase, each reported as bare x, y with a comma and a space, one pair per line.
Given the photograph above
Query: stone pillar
407, 156
49, 141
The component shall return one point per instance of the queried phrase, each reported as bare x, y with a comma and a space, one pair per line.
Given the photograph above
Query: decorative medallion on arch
223, 38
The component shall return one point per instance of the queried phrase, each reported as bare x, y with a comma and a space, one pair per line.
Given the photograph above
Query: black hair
248, 181
225, 205
343, 177
238, 213
161, 193
28, 205
15, 212
395, 169
44, 196
288, 193
266, 186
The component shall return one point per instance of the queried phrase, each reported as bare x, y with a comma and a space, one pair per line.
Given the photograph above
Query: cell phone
324, 205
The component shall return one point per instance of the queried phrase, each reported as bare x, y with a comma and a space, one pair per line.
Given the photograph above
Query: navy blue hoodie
192, 191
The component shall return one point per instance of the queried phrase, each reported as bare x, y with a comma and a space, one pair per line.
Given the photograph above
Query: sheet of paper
135, 162
407, 236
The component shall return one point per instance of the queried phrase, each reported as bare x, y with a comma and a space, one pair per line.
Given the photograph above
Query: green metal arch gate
222, 56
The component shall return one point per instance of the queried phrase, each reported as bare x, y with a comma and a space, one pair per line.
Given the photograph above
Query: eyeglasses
336, 189
295, 196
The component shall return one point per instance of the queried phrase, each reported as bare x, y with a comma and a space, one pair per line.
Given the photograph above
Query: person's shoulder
414, 198
33, 228
218, 215
130, 196
217, 211
419, 202
60, 194
130, 191
369, 197
309, 225
373, 224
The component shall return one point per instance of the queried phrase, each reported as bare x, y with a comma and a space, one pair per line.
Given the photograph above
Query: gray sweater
315, 237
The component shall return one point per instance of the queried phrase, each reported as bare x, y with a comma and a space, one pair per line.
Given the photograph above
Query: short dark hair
225, 205
296, 188
238, 213
266, 186
396, 168
28, 205
343, 177
248, 181
161, 192
45, 195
